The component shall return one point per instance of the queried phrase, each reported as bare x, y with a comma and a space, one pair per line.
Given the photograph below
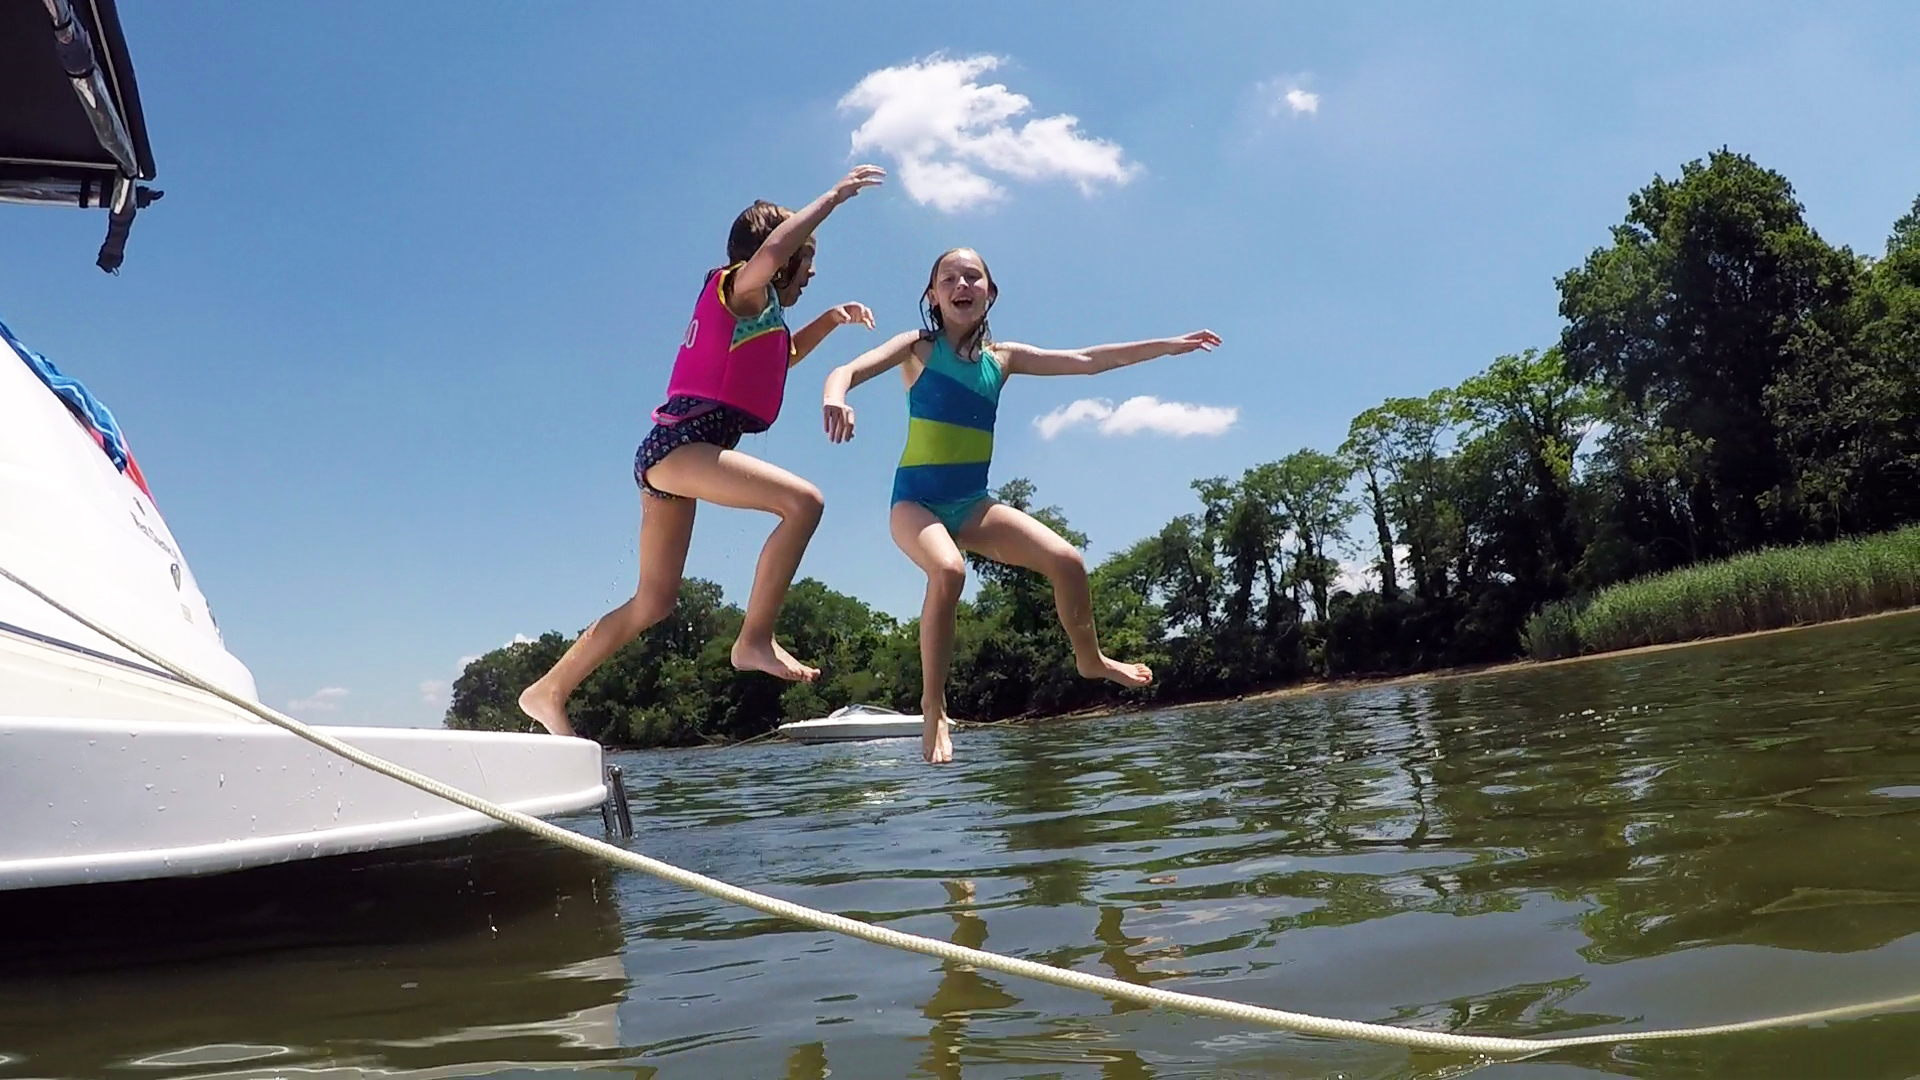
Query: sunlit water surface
1670, 839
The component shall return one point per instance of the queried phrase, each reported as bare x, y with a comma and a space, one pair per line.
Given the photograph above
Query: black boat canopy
71, 130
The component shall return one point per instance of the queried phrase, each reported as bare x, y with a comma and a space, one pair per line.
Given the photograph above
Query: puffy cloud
325, 699
1359, 575
1138, 414
1286, 95
945, 131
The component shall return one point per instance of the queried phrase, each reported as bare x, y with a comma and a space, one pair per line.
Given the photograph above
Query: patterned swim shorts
694, 420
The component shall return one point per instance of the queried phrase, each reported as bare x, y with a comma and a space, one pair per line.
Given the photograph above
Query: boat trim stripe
95, 654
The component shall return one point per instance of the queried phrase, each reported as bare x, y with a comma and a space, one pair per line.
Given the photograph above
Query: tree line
1725, 381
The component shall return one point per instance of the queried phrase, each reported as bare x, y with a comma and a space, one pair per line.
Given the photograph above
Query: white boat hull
111, 770
85, 533
120, 800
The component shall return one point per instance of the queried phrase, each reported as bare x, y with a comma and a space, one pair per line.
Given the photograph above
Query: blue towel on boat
84, 405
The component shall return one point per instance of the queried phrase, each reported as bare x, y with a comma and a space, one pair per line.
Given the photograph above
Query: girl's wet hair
932, 322
751, 229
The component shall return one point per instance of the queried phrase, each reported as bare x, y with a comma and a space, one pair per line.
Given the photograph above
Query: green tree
1174, 574
1244, 525
1309, 488
1410, 434
1531, 406
840, 635
1369, 452
1252, 641
1691, 313
1848, 406
486, 696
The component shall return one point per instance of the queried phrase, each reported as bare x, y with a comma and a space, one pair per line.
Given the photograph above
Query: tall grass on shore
1764, 590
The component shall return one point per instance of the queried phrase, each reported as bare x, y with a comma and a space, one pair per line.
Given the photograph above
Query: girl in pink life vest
727, 381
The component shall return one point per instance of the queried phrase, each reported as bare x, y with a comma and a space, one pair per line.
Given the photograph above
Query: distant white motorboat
854, 723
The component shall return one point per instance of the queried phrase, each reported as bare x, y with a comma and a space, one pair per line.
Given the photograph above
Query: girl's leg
730, 478
1007, 535
920, 534
665, 527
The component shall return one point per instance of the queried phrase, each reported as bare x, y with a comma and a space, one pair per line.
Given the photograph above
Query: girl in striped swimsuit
953, 372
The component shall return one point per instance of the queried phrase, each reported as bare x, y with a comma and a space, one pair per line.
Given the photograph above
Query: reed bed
1762, 590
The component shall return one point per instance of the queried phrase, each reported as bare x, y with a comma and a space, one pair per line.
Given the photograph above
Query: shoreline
1342, 686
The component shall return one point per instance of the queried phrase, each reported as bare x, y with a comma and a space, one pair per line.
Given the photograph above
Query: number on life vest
693, 331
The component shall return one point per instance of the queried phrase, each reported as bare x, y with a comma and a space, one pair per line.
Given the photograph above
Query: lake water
1671, 839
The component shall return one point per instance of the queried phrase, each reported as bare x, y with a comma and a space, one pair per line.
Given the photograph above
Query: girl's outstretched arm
1027, 360
809, 337
749, 287
833, 399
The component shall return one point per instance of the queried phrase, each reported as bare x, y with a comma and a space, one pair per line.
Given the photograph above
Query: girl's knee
1065, 561
803, 503
947, 577
651, 606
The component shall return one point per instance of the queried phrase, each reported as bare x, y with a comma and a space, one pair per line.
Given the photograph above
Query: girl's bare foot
769, 657
936, 744
541, 704
787, 658
1114, 670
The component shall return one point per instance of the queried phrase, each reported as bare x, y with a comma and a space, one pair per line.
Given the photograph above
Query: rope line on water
1196, 1004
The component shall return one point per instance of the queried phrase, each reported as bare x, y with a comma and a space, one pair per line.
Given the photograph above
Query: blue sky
386, 348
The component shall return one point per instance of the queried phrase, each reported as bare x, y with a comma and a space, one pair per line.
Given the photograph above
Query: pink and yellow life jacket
733, 361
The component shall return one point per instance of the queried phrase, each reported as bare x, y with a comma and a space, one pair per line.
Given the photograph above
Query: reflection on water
480, 956
1675, 838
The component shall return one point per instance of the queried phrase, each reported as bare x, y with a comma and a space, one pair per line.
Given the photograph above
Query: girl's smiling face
961, 290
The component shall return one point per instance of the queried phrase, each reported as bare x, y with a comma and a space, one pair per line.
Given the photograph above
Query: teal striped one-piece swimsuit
951, 408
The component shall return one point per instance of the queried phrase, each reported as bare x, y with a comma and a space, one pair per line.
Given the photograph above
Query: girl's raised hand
1199, 339
861, 178
854, 312
839, 420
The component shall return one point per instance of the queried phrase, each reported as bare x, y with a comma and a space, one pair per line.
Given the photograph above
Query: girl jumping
953, 371
727, 381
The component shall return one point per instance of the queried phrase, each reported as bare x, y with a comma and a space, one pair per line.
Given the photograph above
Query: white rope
1301, 1023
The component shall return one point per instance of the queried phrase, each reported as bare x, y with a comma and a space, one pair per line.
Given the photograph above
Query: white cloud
1086, 410
325, 699
1356, 576
1359, 575
941, 126
1286, 95
1139, 414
